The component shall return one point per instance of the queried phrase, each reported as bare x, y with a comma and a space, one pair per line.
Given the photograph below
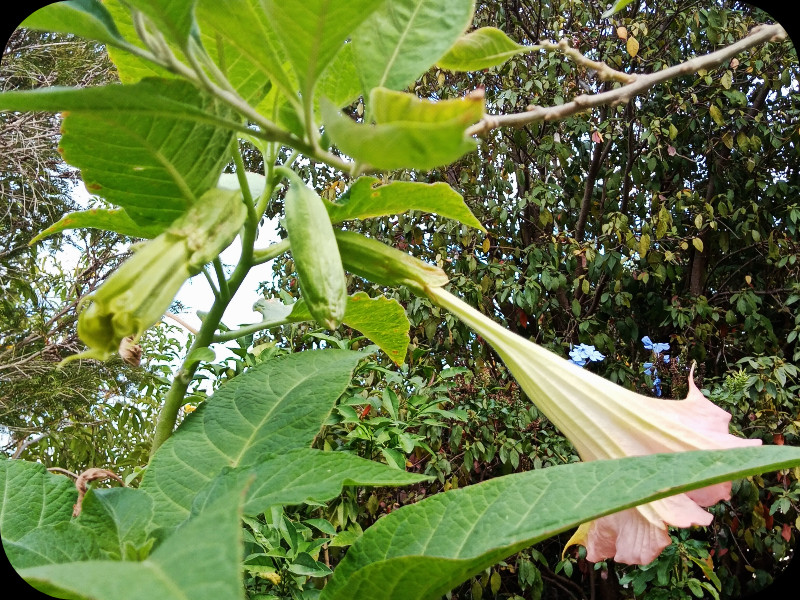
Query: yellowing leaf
727, 80
698, 244
622, 33
716, 114
673, 131
632, 46
742, 141
727, 139
486, 245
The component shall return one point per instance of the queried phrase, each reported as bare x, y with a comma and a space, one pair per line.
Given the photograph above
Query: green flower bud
138, 294
385, 265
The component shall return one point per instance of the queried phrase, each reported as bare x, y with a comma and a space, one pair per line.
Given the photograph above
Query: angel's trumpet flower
604, 421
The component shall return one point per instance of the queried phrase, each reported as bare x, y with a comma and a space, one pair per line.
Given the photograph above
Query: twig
180, 321
639, 85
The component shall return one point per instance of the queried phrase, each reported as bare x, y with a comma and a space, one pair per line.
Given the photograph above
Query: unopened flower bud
138, 294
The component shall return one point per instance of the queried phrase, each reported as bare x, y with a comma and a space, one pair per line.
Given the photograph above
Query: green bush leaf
382, 320
403, 39
276, 406
152, 148
313, 31
32, 497
241, 38
201, 561
86, 18
365, 200
423, 550
481, 49
175, 19
408, 132
115, 219
299, 476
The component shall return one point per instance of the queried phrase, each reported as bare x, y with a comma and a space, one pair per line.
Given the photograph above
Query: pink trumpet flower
606, 421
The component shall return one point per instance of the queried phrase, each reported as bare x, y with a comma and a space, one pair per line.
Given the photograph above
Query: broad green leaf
365, 200
618, 6
276, 406
174, 18
388, 107
382, 320
85, 18
53, 544
408, 132
130, 67
339, 83
113, 523
404, 38
313, 31
152, 148
481, 49
240, 39
115, 219
423, 550
201, 561
119, 516
303, 475
32, 497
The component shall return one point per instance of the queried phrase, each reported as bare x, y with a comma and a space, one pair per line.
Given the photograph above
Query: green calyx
384, 265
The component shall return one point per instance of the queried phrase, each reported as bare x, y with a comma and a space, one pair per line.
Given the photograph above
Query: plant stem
205, 336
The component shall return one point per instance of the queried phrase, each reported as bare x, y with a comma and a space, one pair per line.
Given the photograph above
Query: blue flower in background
584, 353
657, 348
650, 367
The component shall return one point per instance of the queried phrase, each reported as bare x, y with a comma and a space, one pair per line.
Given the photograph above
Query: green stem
223, 283
205, 336
248, 329
267, 254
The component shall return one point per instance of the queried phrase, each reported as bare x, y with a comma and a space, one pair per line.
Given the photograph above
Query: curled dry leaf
83, 480
131, 353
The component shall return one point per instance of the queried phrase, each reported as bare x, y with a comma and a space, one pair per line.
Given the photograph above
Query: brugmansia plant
201, 80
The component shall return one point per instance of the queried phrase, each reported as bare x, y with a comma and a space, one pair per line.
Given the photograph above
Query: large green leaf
313, 31
85, 18
241, 40
130, 67
200, 561
115, 219
481, 49
32, 497
365, 199
303, 475
383, 320
114, 523
277, 406
153, 147
423, 550
408, 132
403, 39
174, 18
